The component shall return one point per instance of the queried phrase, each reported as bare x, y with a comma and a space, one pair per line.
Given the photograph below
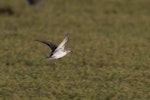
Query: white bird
57, 51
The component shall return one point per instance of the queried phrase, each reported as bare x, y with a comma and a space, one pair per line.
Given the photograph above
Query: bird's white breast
59, 54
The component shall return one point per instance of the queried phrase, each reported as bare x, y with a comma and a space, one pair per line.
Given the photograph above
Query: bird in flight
57, 51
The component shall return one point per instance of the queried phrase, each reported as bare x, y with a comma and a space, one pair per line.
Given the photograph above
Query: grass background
110, 40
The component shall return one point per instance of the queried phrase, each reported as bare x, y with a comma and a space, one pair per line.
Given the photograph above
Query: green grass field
110, 40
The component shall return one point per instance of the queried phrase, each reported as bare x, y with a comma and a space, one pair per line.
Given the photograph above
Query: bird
57, 51
34, 2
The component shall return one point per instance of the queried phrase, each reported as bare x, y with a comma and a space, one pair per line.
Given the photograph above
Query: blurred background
110, 42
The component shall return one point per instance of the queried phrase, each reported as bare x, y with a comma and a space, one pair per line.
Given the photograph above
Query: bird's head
68, 50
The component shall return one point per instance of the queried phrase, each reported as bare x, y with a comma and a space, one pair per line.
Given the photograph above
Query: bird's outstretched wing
51, 45
62, 44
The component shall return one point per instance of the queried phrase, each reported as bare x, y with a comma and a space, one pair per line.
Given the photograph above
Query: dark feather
51, 45
33, 2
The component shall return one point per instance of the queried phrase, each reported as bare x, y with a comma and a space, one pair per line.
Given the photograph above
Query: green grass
110, 40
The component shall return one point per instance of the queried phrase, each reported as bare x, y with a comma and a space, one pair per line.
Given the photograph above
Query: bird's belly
59, 54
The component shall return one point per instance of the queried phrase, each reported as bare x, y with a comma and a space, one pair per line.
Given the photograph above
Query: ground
110, 40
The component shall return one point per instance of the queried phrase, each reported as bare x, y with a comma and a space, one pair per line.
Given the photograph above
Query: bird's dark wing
51, 45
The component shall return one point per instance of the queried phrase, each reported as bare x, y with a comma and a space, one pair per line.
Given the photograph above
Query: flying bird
33, 2
57, 51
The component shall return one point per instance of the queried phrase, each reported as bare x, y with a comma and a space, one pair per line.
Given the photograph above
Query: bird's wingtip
67, 34
37, 40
